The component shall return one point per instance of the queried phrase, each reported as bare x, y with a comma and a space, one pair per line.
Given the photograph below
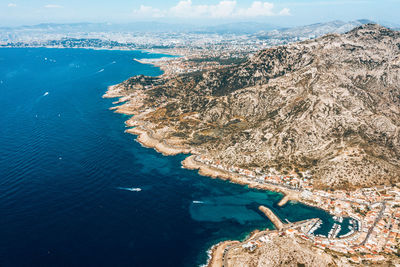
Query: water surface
64, 158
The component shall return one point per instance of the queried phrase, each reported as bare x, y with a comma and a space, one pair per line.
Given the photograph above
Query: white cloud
12, 5
224, 9
186, 9
285, 12
329, 3
257, 9
53, 6
148, 11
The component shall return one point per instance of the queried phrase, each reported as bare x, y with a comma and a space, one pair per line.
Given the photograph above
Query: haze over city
283, 13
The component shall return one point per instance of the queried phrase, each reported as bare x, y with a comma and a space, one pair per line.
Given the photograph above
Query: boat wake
132, 189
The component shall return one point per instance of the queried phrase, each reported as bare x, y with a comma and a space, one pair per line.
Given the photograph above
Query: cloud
148, 11
53, 6
257, 9
187, 9
224, 9
329, 2
285, 12
12, 5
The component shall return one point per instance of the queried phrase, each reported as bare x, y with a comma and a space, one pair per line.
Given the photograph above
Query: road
377, 219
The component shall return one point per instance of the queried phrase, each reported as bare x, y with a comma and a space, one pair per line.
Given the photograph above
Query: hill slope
330, 105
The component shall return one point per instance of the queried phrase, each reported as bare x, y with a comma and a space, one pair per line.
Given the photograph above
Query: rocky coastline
167, 120
149, 139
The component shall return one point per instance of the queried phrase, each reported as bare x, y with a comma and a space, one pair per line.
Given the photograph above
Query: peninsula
317, 120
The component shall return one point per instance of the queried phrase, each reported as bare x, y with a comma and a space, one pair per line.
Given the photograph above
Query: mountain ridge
243, 27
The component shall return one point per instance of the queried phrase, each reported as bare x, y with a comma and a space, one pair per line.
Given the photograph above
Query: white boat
132, 189
197, 202
337, 231
135, 189
334, 231
45, 93
315, 227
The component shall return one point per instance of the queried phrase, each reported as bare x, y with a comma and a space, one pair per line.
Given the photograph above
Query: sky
276, 12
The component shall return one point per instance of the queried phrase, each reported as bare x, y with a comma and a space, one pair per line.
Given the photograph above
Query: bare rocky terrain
330, 105
282, 251
291, 251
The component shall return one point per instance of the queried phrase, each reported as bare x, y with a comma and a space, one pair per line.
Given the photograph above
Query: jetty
271, 215
290, 195
280, 226
219, 254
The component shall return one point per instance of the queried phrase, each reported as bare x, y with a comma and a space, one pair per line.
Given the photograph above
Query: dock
271, 215
280, 226
289, 196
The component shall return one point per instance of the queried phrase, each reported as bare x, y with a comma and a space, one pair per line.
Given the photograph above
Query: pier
280, 226
289, 196
271, 215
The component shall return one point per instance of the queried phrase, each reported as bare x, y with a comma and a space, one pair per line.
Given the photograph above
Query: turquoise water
64, 158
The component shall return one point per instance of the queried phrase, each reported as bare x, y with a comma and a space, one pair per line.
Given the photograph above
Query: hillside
330, 105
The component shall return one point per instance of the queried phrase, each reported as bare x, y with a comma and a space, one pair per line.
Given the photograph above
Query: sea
76, 190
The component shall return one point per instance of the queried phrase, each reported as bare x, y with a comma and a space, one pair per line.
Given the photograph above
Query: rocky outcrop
330, 105
282, 251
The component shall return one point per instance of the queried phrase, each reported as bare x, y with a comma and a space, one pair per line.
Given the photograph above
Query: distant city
235, 38
200, 48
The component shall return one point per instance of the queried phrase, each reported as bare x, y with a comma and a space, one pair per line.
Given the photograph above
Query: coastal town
374, 213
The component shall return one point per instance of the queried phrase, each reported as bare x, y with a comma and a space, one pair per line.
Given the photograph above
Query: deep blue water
64, 155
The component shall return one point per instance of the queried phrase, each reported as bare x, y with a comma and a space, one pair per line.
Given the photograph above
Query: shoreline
217, 252
168, 52
86, 48
147, 138
209, 171
148, 141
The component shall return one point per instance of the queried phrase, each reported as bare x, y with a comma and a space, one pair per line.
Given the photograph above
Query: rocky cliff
330, 105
